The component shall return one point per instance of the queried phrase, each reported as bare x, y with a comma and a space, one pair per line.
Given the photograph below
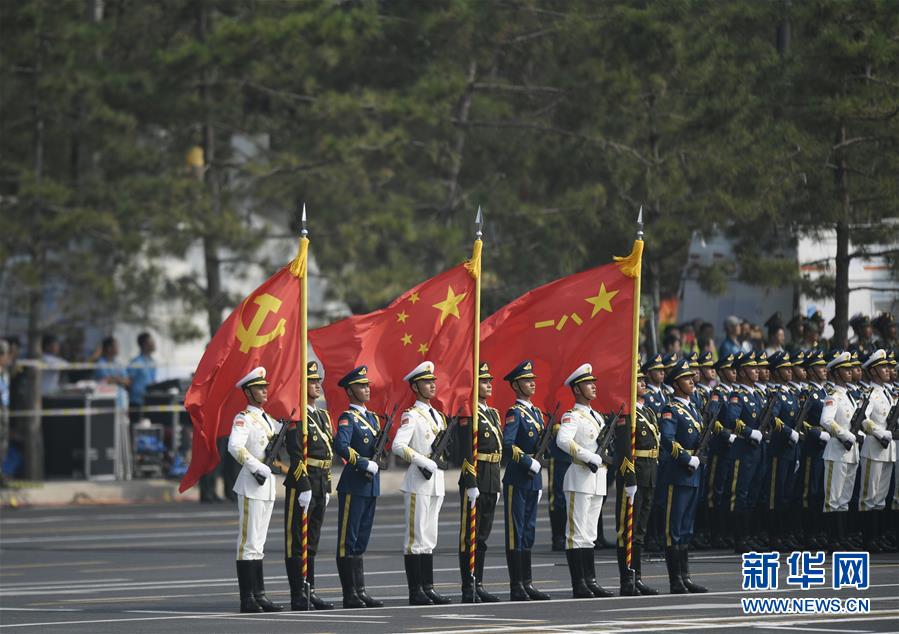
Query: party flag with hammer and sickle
264, 330
432, 322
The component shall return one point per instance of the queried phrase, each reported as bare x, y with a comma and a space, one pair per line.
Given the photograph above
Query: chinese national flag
432, 322
583, 318
264, 330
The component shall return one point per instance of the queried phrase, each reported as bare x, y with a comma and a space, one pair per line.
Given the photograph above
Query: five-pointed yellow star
406, 339
423, 348
414, 297
602, 301
402, 316
450, 306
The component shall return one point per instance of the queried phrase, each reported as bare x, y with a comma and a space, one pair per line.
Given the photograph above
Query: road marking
806, 629
41, 609
132, 568
53, 565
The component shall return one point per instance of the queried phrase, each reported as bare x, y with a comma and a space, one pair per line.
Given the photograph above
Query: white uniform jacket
418, 428
578, 436
878, 411
250, 434
836, 417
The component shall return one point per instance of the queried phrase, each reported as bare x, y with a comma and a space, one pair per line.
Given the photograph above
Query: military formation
749, 451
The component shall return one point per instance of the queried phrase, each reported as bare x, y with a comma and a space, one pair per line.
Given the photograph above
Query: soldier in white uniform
877, 453
255, 489
585, 482
841, 452
423, 486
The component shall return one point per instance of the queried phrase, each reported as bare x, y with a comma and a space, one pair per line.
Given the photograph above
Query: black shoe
317, 602
413, 577
482, 593
526, 579
359, 582
427, 580
691, 587
516, 589
589, 567
348, 584
672, 562
294, 567
637, 563
627, 576
259, 589
645, 590
579, 589
468, 582
248, 604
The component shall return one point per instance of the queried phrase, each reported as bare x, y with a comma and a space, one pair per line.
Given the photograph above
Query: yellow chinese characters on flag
432, 322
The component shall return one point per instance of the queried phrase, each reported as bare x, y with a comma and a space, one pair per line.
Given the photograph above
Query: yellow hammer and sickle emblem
250, 337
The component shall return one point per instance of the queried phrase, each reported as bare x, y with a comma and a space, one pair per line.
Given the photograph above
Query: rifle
545, 437
891, 422
803, 414
855, 423
709, 418
380, 453
767, 415
274, 447
604, 442
439, 444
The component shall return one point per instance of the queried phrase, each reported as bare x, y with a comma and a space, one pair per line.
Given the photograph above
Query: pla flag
587, 317
264, 330
432, 322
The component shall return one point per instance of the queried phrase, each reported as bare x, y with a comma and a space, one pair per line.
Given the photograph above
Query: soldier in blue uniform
656, 397
559, 462
523, 481
809, 489
679, 475
745, 458
718, 450
358, 488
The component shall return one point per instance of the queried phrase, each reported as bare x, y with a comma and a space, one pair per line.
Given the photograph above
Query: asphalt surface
170, 568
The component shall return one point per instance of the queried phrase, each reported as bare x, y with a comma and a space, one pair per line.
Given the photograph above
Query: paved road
170, 568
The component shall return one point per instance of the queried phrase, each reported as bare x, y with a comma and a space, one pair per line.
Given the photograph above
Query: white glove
755, 435
534, 467
794, 436
264, 471
327, 499
424, 462
305, 498
631, 491
846, 436
731, 438
372, 467
883, 434
595, 459
539, 495
472, 494
824, 436
694, 462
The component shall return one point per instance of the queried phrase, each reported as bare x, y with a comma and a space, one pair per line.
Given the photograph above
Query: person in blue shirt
358, 488
730, 345
109, 370
142, 369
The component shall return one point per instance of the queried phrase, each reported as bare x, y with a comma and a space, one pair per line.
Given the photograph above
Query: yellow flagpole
304, 398
475, 270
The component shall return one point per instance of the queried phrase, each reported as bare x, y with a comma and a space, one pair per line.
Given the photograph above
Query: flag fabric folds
432, 322
264, 330
582, 318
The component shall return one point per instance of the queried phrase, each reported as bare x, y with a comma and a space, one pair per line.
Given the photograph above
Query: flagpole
476, 261
635, 360
304, 399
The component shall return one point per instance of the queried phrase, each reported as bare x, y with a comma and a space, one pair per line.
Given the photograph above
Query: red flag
264, 330
432, 322
583, 318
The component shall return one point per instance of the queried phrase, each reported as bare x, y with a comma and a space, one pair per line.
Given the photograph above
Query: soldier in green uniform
635, 481
481, 492
307, 489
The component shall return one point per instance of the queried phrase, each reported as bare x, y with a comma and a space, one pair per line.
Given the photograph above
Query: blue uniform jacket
741, 415
355, 443
787, 412
521, 435
812, 422
680, 427
655, 399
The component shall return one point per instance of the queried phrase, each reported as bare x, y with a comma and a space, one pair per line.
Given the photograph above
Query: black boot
259, 590
317, 602
527, 579
637, 563
626, 576
589, 568
427, 580
694, 588
672, 561
359, 582
348, 584
516, 589
294, 566
741, 544
467, 578
413, 577
579, 589
245, 584
483, 595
